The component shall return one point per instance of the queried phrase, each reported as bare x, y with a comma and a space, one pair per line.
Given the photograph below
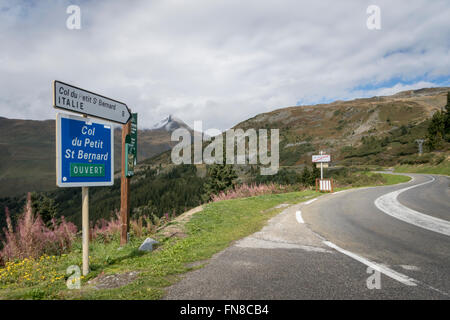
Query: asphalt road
432, 199
352, 221
328, 255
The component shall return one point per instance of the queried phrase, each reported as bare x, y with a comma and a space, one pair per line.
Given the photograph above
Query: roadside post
85, 228
321, 166
124, 190
129, 160
323, 184
85, 147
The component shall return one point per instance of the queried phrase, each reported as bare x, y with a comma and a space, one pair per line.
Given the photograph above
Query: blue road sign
84, 152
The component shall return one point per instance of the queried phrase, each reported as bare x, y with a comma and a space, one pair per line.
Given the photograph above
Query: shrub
221, 177
416, 159
358, 179
141, 225
245, 190
105, 230
32, 238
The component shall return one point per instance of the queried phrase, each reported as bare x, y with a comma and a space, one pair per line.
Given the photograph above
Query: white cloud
217, 61
387, 91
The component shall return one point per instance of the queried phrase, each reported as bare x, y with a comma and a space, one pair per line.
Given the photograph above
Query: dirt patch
176, 227
111, 281
369, 124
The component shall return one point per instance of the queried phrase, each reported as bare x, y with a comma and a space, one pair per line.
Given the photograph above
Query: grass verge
391, 179
442, 168
207, 233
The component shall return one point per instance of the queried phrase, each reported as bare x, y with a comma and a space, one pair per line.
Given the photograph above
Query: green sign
131, 147
87, 170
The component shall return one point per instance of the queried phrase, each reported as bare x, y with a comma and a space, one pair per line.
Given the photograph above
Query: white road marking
380, 268
256, 243
389, 204
409, 267
283, 205
298, 216
310, 201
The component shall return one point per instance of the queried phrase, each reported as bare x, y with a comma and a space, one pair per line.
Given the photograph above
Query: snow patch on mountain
170, 123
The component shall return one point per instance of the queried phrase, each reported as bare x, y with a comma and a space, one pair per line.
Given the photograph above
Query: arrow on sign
74, 99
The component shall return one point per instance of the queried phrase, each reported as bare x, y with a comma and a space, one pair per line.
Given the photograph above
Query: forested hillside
171, 192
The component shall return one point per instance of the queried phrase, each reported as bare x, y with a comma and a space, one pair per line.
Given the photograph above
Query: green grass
208, 232
442, 168
375, 180
390, 179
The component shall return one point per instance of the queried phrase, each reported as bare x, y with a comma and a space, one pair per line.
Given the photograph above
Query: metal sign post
323, 184
85, 228
84, 157
321, 159
85, 148
124, 189
129, 159
321, 167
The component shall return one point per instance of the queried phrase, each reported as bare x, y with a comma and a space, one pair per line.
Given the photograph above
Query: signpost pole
85, 228
321, 167
124, 189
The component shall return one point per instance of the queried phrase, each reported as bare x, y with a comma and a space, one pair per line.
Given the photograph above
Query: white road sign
78, 100
321, 158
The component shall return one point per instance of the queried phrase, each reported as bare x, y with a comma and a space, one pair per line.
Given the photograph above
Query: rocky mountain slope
339, 127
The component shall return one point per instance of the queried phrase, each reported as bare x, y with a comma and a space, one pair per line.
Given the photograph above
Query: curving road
329, 248
407, 231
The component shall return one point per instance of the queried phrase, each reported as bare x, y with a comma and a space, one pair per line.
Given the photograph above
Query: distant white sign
321, 158
68, 97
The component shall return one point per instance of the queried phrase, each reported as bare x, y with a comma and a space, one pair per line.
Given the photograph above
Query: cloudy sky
218, 61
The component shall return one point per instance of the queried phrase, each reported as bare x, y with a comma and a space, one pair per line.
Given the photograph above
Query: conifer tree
305, 177
439, 127
315, 174
221, 177
447, 118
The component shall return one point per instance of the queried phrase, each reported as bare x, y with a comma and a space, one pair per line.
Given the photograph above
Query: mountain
27, 159
379, 130
170, 123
